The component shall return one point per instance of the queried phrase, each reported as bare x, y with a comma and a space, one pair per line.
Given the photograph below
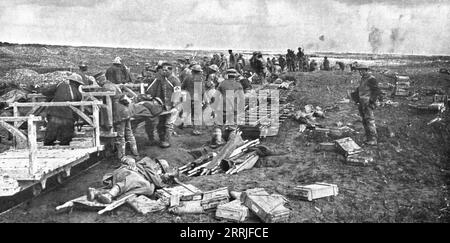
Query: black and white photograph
227, 112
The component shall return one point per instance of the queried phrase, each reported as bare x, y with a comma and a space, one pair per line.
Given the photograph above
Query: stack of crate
402, 85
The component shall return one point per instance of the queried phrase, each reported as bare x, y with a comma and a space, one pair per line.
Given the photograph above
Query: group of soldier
166, 80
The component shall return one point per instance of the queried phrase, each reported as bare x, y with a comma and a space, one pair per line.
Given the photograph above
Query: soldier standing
366, 96
167, 88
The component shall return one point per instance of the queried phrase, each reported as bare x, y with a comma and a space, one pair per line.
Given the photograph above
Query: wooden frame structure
28, 163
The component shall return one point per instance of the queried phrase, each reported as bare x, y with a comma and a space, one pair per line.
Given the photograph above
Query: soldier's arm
49, 90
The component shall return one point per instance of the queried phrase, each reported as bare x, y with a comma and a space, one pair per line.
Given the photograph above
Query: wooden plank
32, 146
96, 121
16, 132
19, 118
82, 115
55, 104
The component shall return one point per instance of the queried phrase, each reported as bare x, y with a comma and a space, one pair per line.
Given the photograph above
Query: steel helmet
76, 78
214, 67
117, 60
83, 64
232, 72
197, 68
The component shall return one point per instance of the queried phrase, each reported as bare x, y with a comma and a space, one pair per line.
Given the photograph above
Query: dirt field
407, 182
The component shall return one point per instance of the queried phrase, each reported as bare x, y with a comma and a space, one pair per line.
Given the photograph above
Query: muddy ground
407, 182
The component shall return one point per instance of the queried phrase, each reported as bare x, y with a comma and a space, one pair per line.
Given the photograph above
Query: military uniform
164, 89
367, 93
61, 119
121, 121
118, 74
196, 79
229, 103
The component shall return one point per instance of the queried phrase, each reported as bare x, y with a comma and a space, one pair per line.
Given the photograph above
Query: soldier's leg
130, 138
151, 128
362, 113
167, 123
120, 139
371, 126
51, 132
66, 131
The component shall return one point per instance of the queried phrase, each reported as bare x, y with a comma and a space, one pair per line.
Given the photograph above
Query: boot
151, 134
92, 193
134, 149
121, 151
165, 139
107, 198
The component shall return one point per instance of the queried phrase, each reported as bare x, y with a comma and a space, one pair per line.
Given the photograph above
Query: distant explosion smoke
322, 38
375, 39
397, 37
188, 46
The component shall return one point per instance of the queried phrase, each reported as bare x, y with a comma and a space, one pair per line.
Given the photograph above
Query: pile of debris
27, 78
307, 117
235, 156
245, 206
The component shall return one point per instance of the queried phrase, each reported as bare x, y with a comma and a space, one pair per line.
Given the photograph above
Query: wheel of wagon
37, 189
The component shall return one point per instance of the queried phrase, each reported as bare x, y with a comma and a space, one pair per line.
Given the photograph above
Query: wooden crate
234, 211
269, 208
327, 147
315, 191
358, 160
186, 194
347, 146
145, 205
211, 199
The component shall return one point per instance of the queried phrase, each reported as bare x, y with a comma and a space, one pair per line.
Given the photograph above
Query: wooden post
32, 144
96, 122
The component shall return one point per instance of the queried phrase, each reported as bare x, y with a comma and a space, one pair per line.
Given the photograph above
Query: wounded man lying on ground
142, 177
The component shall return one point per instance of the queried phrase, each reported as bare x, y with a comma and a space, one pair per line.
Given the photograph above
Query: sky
368, 26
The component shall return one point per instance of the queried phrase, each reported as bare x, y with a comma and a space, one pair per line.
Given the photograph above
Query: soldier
87, 79
214, 75
190, 84
223, 63
118, 73
366, 96
121, 118
341, 65
167, 88
230, 84
142, 178
282, 62
232, 59
313, 66
326, 64
61, 119
148, 74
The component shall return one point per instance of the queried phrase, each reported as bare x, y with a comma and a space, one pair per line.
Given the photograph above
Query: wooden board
347, 146
15, 163
186, 194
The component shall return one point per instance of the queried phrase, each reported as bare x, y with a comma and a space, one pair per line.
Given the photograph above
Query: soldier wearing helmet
141, 177
87, 79
118, 73
194, 84
167, 88
61, 119
366, 96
